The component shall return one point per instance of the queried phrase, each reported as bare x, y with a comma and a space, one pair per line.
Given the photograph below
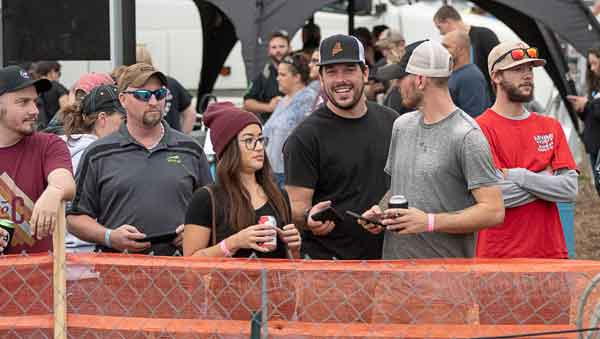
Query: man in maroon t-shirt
35, 168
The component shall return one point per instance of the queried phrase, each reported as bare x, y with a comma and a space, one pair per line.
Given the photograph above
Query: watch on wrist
306, 214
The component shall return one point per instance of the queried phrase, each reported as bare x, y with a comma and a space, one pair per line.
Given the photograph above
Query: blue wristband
107, 238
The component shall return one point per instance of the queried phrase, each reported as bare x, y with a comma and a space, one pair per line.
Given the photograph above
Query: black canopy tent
225, 21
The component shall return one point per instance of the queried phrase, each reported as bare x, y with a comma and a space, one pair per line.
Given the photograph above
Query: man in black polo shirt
137, 182
263, 94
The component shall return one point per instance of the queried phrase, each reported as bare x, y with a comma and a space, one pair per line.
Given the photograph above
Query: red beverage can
269, 220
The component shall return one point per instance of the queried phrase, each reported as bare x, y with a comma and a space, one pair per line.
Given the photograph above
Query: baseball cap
499, 59
103, 98
398, 71
138, 74
341, 49
90, 80
14, 78
430, 59
389, 37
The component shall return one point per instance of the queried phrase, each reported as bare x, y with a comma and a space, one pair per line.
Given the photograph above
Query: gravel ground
587, 217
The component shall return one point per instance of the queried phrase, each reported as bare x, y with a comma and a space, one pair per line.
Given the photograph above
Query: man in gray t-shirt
440, 161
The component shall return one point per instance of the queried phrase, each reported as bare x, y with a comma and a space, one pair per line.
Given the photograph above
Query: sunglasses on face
518, 54
145, 95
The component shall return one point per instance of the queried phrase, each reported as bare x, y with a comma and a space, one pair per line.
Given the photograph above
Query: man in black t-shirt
447, 19
181, 114
263, 93
336, 157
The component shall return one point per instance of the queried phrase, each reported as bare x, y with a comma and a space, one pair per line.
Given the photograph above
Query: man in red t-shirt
532, 154
35, 168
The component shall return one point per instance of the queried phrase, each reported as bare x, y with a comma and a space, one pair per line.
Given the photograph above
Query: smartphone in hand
159, 237
328, 214
367, 220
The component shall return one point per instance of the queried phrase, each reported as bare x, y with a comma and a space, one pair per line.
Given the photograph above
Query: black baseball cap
341, 49
398, 71
14, 78
103, 98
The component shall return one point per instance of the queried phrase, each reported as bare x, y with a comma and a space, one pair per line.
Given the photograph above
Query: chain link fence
134, 296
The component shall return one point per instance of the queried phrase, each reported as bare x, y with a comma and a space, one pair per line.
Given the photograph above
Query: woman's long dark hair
237, 201
592, 79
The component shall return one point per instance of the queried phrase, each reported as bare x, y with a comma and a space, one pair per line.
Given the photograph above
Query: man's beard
414, 100
24, 131
356, 95
149, 120
276, 59
514, 93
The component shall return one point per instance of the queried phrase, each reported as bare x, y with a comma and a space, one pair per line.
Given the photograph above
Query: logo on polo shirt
545, 142
173, 159
337, 49
176, 160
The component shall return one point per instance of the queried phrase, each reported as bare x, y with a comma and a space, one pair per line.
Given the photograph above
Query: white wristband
107, 238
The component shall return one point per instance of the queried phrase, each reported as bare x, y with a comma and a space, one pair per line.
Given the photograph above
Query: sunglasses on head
145, 95
293, 60
518, 54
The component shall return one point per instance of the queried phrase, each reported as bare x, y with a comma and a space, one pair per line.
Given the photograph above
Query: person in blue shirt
292, 77
468, 87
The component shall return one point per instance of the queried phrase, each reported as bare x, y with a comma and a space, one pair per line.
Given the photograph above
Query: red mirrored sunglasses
518, 54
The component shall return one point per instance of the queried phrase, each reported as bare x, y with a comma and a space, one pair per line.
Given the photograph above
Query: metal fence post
264, 305
255, 324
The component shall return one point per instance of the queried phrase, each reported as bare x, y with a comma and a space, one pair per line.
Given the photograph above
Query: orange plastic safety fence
130, 296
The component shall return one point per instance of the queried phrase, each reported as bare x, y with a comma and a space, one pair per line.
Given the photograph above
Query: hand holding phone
159, 237
327, 214
370, 220
367, 220
322, 218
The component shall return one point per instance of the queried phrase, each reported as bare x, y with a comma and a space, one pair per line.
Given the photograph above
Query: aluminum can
398, 201
269, 220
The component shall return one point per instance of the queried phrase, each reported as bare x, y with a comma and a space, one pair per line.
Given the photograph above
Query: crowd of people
342, 125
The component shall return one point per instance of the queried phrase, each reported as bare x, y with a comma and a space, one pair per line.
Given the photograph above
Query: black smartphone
159, 237
328, 214
360, 217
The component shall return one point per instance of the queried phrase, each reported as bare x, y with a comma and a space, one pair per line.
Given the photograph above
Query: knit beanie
225, 121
